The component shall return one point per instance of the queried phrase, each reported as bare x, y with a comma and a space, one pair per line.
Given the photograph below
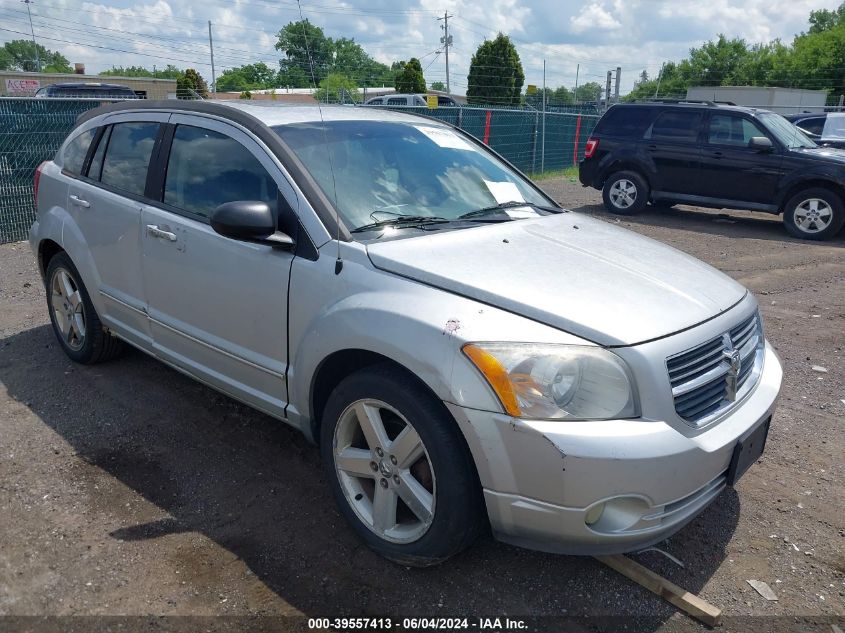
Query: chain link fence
31, 131
535, 143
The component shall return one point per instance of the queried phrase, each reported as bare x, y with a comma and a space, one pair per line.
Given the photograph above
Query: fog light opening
594, 514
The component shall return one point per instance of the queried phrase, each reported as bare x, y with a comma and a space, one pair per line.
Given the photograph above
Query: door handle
717, 154
652, 148
153, 230
79, 201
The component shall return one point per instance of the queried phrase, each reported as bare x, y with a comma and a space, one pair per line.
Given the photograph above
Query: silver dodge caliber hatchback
465, 352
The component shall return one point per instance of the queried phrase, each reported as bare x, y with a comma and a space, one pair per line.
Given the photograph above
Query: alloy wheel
68, 309
384, 470
813, 215
623, 193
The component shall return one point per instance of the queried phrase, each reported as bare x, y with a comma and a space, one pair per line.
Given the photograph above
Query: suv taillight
37, 180
590, 147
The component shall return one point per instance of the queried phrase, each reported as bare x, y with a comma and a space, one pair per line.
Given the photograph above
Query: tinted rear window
676, 125
77, 150
128, 156
626, 122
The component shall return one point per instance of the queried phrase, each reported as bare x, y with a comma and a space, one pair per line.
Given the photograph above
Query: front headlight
558, 382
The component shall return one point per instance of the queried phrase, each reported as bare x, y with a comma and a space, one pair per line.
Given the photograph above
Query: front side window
788, 134
206, 169
726, 129
383, 170
128, 156
675, 125
77, 150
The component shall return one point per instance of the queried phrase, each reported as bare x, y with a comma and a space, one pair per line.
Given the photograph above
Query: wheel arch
625, 164
342, 363
47, 249
809, 183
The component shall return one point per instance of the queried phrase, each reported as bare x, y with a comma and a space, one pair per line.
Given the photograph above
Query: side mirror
248, 220
761, 144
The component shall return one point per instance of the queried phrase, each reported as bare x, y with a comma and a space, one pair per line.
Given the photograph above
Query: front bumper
541, 479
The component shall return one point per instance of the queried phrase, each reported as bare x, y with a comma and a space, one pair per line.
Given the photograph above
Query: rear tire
399, 468
625, 193
814, 214
75, 321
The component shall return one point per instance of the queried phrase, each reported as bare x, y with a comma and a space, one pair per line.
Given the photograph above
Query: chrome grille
710, 378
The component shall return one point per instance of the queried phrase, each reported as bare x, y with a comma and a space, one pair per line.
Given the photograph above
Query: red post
577, 137
487, 128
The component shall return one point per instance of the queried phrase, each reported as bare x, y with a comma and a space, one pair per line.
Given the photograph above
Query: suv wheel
75, 322
399, 469
625, 193
814, 214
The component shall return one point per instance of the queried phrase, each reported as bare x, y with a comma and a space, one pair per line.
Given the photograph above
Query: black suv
715, 156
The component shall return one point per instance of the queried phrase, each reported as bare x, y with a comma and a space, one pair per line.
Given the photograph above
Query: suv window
397, 101
813, 126
626, 122
128, 156
727, 129
206, 169
77, 150
375, 102
675, 125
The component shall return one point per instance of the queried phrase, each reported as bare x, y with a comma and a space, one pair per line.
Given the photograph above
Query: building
18, 84
780, 100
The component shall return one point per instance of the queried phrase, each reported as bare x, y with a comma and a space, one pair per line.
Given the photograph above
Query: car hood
828, 154
578, 274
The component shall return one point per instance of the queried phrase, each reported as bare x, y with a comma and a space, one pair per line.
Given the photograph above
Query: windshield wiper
503, 207
403, 221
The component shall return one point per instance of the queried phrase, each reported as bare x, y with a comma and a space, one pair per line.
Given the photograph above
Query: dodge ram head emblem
734, 361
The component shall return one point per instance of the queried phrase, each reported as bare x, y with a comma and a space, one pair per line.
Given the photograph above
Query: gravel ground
128, 489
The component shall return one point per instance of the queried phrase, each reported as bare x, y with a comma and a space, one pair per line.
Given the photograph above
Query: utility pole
543, 142
618, 79
211, 48
32, 30
446, 40
607, 90
575, 94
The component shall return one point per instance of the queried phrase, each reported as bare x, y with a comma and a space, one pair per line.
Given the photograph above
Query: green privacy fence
519, 135
31, 130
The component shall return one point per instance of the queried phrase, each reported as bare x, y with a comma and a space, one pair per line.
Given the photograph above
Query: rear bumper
544, 480
588, 173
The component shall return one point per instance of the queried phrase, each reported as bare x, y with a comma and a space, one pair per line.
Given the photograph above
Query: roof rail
683, 101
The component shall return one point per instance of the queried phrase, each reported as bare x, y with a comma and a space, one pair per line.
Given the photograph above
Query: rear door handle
79, 201
717, 154
153, 230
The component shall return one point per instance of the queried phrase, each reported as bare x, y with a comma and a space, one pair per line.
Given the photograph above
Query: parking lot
129, 489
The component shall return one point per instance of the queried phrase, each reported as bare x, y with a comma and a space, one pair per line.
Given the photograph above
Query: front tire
75, 321
814, 214
399, 468
625, 193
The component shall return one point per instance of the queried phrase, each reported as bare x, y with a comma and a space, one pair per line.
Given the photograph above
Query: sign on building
22, 86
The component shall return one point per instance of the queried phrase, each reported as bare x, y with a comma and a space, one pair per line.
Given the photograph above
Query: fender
826, 172
630, 156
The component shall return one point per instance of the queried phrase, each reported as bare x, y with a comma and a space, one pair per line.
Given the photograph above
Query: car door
217, 306
106, 204
730, 169
673, 145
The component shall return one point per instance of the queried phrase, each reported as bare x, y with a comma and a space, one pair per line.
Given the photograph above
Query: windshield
785, 132
390, 169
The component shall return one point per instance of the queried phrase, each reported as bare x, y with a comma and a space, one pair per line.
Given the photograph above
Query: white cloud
593, 16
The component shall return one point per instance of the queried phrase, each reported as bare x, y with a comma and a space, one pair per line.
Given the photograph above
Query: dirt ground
128, 489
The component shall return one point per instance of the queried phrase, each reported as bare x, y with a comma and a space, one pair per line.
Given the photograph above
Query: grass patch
569, 172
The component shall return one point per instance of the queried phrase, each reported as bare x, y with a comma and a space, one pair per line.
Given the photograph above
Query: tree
169, 72
248, 77
190, 85
825, 19
589, 91
337, 88
495, 73
438, 85
410, 79
306, 48
24, 56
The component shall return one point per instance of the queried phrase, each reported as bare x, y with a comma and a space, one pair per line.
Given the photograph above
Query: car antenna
338, 264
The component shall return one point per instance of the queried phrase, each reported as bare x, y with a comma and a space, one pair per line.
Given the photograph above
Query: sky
587, 37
